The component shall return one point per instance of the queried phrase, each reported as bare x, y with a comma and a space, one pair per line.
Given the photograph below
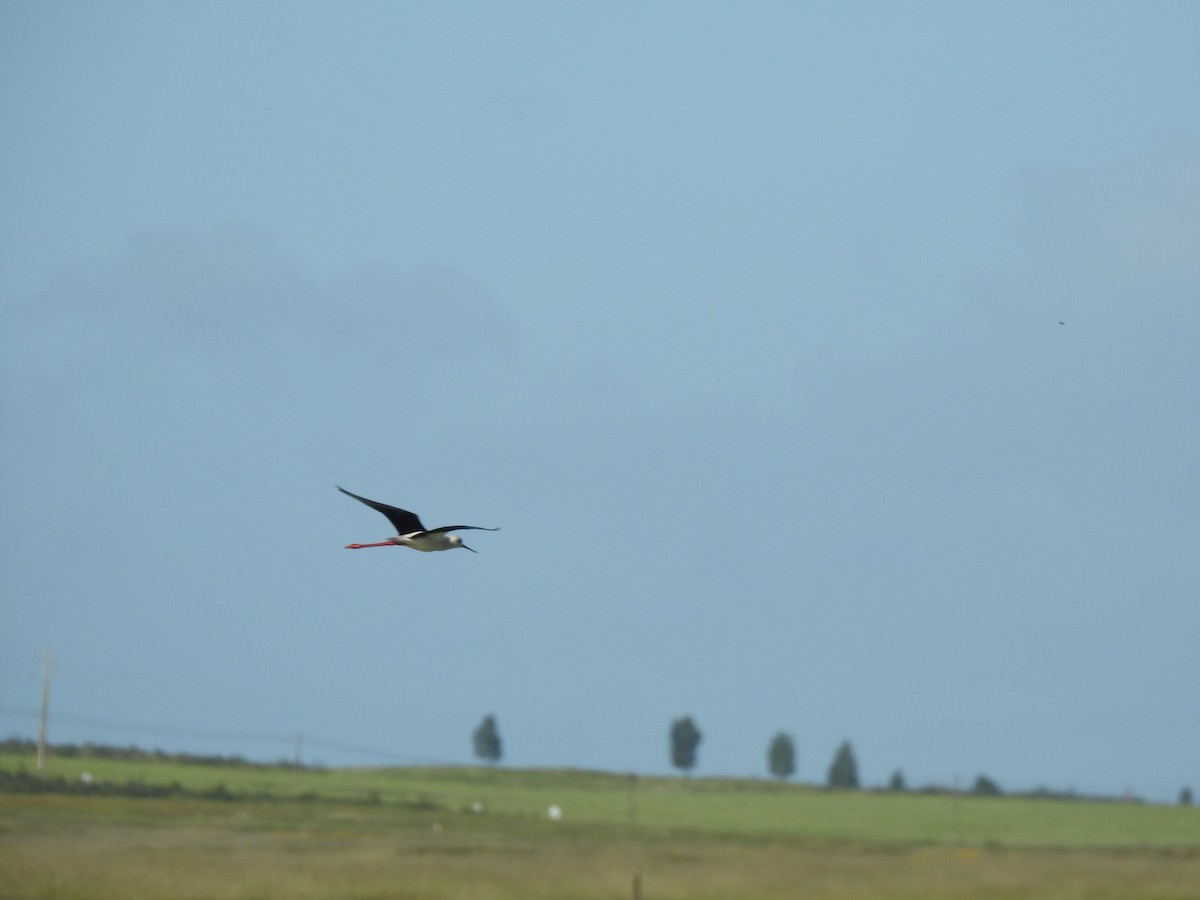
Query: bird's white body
427, 541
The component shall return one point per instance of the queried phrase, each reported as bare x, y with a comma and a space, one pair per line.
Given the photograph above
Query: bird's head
457, 542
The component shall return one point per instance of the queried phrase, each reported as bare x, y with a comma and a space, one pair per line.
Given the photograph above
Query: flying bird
410, 531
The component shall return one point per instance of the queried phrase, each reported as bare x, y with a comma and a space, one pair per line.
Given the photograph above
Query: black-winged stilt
411, 533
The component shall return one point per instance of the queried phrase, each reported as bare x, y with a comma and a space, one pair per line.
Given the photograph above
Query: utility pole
41, 753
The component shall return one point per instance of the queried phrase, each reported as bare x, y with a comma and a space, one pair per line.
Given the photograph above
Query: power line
143, 728
170, 730
379, 754
27, 712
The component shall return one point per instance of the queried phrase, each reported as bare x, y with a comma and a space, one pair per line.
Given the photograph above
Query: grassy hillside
738, 807
480, 834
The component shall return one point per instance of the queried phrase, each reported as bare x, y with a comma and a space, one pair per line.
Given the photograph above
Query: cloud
230, 299
229, 283
1116, 247
428, 317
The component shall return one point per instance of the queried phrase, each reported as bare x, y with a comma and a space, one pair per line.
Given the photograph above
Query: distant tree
685, 738
1185, 797
843, 771
781, 756
897, 782
985, 787
487, 741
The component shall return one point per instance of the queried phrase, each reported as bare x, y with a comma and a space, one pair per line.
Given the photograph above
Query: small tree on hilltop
985, 787
487, 741
781, 756
685, 738
1185, 797
897, 782
843, 771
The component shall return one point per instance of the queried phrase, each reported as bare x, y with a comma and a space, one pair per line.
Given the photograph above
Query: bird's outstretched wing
405, 522
460, 528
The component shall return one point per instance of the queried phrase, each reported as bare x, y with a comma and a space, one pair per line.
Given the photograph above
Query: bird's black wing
461, 528
404, 521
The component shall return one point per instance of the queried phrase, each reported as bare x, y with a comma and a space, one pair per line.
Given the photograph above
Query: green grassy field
484, 833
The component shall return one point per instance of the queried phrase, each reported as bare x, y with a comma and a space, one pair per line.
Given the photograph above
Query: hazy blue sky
741, 319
